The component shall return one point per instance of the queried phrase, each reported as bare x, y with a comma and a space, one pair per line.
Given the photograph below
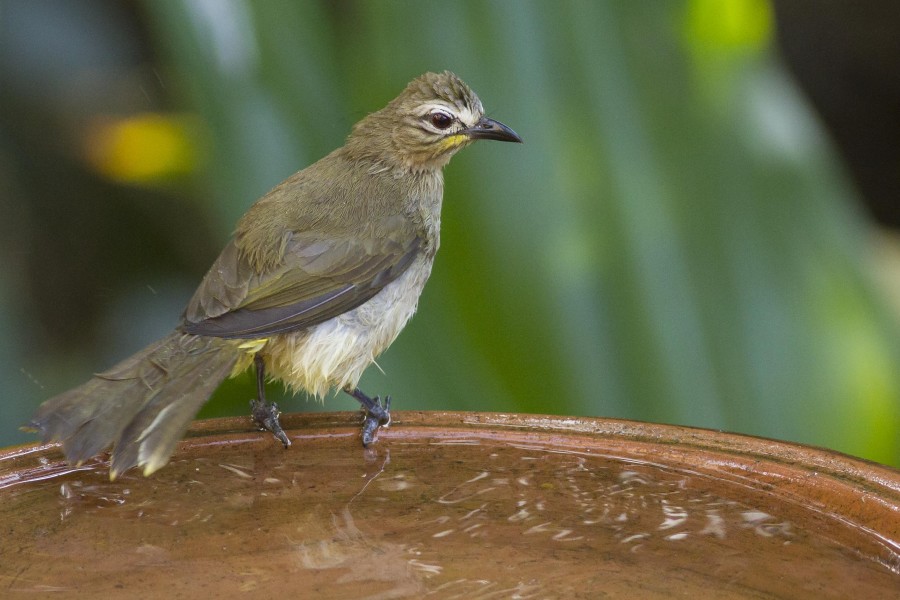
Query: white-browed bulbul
319, 278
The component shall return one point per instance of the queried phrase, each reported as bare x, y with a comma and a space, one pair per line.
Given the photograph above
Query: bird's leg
266, 414
377, 414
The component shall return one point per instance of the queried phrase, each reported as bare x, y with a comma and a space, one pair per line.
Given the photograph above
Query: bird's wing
317, 279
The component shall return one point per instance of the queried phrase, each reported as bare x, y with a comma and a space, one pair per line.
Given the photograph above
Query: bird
320, 276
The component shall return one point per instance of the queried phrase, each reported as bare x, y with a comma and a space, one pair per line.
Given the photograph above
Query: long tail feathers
141, 407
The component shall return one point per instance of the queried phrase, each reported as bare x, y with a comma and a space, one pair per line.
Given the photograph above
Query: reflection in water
468, 519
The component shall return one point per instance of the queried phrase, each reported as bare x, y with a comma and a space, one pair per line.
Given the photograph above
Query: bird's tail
141, 407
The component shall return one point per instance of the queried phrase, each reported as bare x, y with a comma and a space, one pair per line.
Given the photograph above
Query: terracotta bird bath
455, 505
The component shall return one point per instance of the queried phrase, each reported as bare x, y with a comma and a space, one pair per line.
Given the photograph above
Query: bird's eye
441, 120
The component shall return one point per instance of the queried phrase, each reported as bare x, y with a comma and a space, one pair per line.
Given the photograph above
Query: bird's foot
377, 414
265, 414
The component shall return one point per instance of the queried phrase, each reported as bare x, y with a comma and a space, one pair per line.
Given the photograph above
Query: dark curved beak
489, 129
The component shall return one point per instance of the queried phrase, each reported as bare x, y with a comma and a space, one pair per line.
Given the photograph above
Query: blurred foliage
675, 241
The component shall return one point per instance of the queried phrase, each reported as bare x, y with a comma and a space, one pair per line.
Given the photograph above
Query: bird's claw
377, 415
265, 414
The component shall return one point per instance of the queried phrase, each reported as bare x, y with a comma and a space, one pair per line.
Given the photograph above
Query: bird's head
433, 118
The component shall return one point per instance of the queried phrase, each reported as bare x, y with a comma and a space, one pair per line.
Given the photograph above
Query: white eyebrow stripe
432, 106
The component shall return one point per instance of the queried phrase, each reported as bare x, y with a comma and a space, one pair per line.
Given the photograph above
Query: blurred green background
679, 240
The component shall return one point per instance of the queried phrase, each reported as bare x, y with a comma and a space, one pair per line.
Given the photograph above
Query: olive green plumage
320, 276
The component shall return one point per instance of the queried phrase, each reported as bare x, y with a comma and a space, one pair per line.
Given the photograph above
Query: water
423, 515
